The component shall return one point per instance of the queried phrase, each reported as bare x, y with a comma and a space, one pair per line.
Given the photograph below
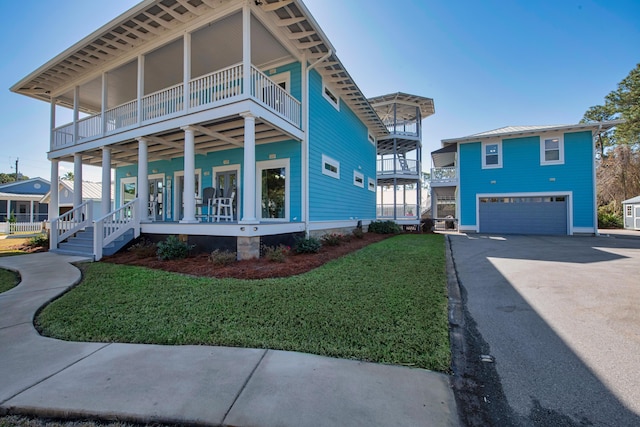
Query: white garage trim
567, 194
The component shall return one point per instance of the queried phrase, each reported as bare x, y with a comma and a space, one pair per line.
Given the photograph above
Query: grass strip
8, 279
386, 303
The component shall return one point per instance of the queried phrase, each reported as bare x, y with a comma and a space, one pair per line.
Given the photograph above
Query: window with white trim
372, 184
372, 139
629, 210
491, 155
330, 96
358, 179
330, 167
273, 189
551, 150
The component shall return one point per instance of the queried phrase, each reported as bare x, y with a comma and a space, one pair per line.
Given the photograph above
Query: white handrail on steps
70, 223
115, 224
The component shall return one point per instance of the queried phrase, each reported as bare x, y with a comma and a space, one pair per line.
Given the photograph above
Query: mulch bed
199, 265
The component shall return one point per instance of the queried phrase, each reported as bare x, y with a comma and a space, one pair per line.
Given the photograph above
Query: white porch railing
163, 102
115, 224
90, 126
70, 223
204, 91
63, 136
274, 96
400, 211
122, 116
216, 86
447, 174
397, 166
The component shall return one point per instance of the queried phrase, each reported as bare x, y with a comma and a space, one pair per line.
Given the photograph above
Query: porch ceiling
209, 137
150, 19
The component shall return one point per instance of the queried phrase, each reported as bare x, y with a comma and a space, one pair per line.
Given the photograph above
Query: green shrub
384, 227
609, 220
332, 239
41, 240
222, 258
173, 248
276, 253
143, 249
309, 245
358, 233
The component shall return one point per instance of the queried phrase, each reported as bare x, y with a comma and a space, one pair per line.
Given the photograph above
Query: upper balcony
397, 166
212, 90
447, 176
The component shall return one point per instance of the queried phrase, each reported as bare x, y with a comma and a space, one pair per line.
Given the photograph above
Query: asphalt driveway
561, 317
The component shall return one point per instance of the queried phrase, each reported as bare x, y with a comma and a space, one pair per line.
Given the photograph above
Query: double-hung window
551, 150
491, 155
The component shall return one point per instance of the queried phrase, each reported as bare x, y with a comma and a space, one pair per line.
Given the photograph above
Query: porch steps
82, 244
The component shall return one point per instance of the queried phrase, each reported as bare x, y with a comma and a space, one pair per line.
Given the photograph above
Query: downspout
595, 189
305, 163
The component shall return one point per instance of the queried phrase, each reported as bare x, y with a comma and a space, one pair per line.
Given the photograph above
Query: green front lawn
8, 279
386, 303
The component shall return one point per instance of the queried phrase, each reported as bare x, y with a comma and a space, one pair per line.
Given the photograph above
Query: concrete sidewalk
194, 384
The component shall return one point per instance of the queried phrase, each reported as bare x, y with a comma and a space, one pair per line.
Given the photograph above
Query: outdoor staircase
402, 160
81, 244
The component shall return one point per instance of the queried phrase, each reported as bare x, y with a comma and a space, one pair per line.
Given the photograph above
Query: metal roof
384, 105
515, 131
633, 200
139, 26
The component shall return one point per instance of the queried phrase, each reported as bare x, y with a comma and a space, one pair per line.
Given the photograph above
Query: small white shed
631, 213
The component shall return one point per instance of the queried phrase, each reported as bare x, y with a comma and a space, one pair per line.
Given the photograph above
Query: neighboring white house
631, 213
91, 192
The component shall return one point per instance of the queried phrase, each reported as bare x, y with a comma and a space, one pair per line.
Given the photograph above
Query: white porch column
77, 180
143, 178
31, 211
76, 112
105, 101
246, 48
189, 196
52, 136
54, 210
106, 180
249, 180
140, 86
186, 71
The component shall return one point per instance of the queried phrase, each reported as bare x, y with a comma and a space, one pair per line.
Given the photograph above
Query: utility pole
17, 159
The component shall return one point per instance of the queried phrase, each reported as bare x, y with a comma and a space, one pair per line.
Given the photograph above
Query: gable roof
633, 200
90, 190
518, 131
139, 26
9, 186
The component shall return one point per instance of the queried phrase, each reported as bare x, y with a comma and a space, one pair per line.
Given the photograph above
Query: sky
487, 64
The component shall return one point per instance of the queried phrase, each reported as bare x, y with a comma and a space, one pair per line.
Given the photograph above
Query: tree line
617, 150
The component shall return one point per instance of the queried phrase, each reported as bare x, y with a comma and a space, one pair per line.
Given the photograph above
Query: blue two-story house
227, 121
519, 180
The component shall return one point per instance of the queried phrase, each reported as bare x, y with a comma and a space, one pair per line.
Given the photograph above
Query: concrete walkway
194, 384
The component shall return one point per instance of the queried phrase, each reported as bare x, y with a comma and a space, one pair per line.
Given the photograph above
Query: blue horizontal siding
342, 136
521, 172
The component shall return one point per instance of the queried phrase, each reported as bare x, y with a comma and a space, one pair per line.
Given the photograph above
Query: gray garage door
523, 215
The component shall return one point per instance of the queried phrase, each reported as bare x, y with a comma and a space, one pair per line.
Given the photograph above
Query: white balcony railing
206, 91
122, 116
217, 86
163, 102
440, 175
398, 166
274, 96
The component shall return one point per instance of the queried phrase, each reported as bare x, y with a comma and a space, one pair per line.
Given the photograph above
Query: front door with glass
226, 184
156, 198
